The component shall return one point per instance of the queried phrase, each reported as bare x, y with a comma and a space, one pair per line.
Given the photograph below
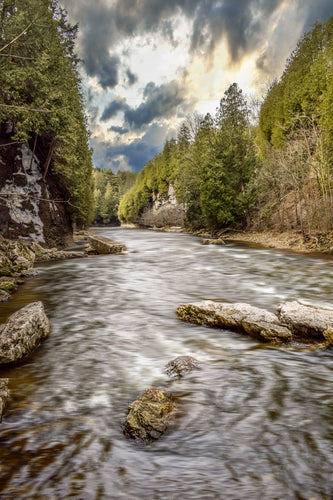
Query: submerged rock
306, 321
243, 318
104, 245
4, 394
23, 332
149, 416
181, 365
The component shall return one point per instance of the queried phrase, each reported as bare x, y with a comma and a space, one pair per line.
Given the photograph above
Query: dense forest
109, 189
40, 95
230, 171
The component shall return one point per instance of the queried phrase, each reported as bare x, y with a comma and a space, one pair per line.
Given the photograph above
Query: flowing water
254, 422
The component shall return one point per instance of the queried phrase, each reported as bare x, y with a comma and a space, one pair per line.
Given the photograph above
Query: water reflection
254, 421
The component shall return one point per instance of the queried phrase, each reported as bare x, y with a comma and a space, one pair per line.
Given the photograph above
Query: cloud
119, 130
160, 102
118, 104
134, 155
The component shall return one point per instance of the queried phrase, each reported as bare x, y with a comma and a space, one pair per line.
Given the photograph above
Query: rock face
29, 207
181, 365
243, 318
4, 394
23, 332
149, 416
307, 322
103, 245
164, 211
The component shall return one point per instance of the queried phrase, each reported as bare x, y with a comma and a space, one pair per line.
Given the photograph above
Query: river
254, 422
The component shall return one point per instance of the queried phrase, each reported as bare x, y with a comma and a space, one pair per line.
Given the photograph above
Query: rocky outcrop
102, 245
164, 211
30, 208
149, 416
294, 320
181, 365
306, 321
46, 254
4, 394
23, 332
243, 318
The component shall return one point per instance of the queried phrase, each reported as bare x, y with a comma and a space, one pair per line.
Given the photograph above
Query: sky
148, 64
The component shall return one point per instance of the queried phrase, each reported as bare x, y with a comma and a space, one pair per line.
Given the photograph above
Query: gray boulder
23, 332
149, 416
4, 394
103, 245
243, 318
306, 321
181, 365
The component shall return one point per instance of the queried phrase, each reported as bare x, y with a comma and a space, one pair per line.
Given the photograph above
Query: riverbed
255, 421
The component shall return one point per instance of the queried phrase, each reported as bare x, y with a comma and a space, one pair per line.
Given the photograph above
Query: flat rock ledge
104, 246
307, 322
181, 365
23, 332
242, 318
294, 321
149, 416
4, 395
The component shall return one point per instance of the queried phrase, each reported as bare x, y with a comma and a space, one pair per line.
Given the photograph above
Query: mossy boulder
23, 332
149, 416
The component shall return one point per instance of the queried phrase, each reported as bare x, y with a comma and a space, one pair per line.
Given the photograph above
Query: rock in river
23, 332
306, 321
181, 365
105, 245
243, 318
148, 417
4, 394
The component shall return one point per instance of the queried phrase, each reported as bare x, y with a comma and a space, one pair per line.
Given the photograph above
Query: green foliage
40, 93
109, 188
210, 165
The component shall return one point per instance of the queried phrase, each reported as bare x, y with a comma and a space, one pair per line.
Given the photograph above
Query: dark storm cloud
119, 130
113, 108
160, 101
131, 77
241, 23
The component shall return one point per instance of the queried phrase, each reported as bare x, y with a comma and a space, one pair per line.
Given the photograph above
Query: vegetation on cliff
40, 95
278, 173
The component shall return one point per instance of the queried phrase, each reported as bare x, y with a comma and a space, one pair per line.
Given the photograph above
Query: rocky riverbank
288, 240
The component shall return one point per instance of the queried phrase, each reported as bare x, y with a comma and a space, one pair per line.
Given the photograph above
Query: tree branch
21, 34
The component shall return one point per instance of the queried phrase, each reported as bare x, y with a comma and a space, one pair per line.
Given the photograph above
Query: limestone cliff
164, 210
31, 209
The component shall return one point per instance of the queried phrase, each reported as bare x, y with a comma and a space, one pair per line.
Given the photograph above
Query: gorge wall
31, 209
164, 211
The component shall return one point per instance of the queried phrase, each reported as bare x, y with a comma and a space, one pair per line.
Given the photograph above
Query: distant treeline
229, 170
109, 189
40, 96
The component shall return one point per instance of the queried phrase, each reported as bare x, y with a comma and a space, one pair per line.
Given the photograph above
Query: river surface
254, 422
